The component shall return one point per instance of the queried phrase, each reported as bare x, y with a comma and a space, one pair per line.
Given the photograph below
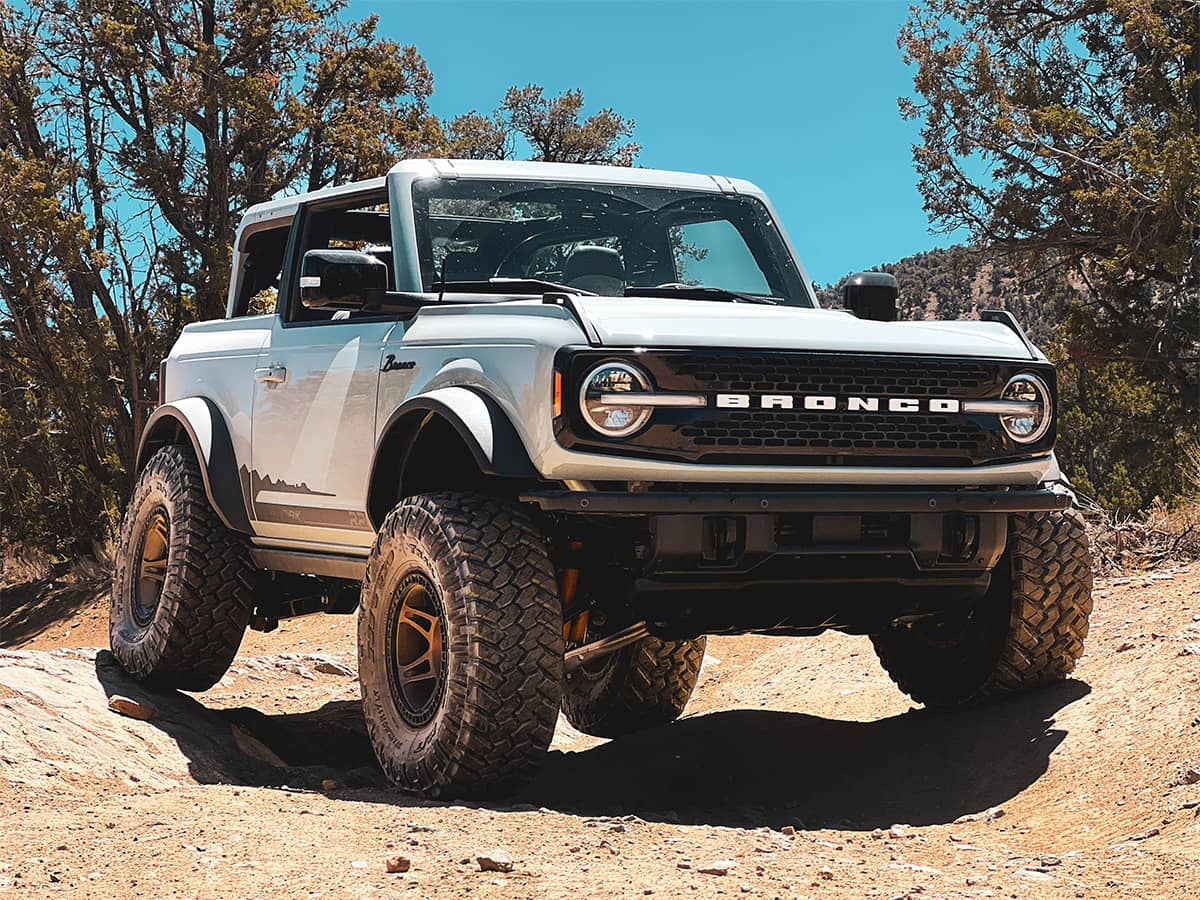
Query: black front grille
798, 436
786, 373
838, 432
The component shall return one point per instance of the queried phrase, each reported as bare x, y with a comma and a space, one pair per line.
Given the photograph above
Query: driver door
317, 379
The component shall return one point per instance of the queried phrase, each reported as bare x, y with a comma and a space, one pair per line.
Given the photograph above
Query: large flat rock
56, 728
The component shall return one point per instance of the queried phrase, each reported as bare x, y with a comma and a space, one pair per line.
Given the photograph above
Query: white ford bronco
547, 426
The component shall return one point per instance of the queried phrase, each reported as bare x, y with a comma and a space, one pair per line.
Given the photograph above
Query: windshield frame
781, 270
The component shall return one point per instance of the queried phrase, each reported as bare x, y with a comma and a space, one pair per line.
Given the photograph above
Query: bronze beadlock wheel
183, 583
153, 550
416, 657
460, 647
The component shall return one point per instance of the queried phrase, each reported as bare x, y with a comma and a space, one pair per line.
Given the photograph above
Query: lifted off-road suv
547, 426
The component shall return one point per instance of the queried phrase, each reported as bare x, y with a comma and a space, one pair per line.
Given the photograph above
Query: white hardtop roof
283, 207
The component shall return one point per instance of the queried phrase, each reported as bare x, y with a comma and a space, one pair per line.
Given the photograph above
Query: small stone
788, 830
825, 873
1126, 645
898, 831
131, 708
1143, 835
1190, 650
328, 784
1050, 860
330, 667
1192, 775
718, 867
683, 865
494, 861
358, 864
397, 864
1032, 874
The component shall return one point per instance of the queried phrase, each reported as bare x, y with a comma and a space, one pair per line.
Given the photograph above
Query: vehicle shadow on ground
743, 768
749, 768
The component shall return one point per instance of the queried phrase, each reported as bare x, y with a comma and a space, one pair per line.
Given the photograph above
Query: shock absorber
575, 615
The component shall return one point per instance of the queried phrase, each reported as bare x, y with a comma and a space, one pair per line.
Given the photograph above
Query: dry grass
86, 574
1162, 536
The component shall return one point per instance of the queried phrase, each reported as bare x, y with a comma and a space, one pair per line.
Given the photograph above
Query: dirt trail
795, 760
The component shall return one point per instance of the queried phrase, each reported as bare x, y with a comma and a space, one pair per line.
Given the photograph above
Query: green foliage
132, 139
1065, 136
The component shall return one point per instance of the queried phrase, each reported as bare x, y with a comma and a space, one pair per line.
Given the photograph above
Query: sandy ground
797, 762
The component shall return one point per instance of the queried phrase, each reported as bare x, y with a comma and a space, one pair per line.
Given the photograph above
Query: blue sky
797, 96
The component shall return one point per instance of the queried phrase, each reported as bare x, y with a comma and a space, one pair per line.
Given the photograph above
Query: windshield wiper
700, 292
509, 286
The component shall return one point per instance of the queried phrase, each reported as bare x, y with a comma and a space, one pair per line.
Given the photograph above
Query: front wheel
1028, 629
460, 645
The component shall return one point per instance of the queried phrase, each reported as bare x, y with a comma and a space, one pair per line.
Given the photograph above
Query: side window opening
360, 224
261, 270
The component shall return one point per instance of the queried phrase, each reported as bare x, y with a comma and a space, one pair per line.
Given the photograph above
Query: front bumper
624, 503
792, 562
556, 463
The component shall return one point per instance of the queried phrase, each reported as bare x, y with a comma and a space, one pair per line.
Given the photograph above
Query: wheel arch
199, 422
454, 427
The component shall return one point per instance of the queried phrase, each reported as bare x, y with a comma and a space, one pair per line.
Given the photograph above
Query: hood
651, 322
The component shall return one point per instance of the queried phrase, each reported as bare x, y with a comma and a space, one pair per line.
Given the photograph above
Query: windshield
608, 239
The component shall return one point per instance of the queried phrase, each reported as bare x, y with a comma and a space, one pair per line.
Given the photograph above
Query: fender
477, 418
201, 420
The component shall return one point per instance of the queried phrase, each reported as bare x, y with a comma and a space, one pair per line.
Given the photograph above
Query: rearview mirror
872, 295
342, 279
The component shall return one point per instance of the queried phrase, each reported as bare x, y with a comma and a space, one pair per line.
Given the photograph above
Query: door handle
271, 374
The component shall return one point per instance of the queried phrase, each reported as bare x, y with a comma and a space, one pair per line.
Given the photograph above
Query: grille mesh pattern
838, 432
784, 374
915, 437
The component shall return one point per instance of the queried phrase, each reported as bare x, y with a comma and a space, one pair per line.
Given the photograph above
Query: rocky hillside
957, 282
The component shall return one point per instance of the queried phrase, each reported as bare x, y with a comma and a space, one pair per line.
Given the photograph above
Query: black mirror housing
872, 295
342, 279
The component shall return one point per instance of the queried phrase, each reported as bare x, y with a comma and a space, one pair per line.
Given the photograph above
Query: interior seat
596, 269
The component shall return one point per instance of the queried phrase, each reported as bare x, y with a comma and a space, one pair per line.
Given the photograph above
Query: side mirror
342, 279
872, 295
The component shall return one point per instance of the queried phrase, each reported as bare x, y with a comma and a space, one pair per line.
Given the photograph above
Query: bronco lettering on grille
825, 402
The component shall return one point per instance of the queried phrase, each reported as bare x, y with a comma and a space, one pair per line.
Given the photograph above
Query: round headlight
1030, 424
600, 399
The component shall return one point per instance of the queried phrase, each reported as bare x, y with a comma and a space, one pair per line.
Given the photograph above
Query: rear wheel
1028, 630
183, 584
460, 645
643, 685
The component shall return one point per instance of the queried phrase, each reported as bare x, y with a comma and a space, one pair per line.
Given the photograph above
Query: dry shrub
87, 574
1162, 535
23, 566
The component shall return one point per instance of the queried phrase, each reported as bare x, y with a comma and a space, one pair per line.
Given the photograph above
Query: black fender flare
204, 425
477, 418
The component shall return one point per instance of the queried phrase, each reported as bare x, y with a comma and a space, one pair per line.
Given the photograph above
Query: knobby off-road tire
1028, 631
643, 685
183, 583
468, 575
